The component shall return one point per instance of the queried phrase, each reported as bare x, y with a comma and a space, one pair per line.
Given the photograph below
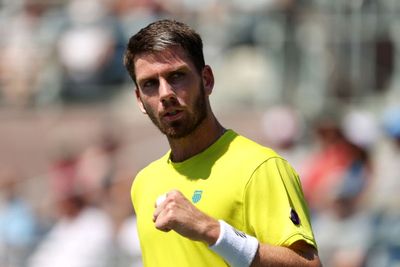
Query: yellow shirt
237, 180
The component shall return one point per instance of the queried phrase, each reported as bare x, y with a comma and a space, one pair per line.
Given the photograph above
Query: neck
209, 131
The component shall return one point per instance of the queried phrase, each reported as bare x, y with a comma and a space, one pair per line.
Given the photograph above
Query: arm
178, 214
298, 254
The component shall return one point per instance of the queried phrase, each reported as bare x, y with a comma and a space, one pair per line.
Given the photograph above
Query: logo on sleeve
197, 196
294, 217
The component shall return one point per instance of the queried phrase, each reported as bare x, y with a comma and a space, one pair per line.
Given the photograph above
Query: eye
149, 85
176, 77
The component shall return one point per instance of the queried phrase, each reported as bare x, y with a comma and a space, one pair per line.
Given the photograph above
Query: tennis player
215, 198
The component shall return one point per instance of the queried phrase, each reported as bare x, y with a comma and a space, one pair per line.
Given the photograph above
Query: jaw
207, 132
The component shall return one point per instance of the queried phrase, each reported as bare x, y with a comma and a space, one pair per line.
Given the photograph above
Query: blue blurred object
354, 181
17, 225
391, 121
17, 232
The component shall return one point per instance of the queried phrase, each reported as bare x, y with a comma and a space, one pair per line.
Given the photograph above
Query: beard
182, 128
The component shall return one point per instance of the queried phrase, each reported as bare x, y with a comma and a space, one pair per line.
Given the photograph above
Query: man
225, 200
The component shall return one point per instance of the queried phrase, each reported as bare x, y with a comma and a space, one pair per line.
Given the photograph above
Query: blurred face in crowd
172, 91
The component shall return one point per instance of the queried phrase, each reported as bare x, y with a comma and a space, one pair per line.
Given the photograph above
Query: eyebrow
182, 67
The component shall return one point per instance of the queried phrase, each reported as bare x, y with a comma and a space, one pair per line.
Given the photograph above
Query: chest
218, 194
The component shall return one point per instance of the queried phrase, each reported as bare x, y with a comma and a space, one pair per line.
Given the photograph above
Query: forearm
298, 255
178, 214
242, 249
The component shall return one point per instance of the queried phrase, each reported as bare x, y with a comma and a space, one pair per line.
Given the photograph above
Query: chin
176, 134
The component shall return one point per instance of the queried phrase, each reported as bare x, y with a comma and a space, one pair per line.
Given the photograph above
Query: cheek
184, 98
149, 100
189, 95
150, 106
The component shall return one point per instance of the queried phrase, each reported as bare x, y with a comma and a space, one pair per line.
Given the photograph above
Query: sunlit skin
176, 115
176, 97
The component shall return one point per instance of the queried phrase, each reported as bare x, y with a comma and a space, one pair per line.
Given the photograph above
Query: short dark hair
163, 34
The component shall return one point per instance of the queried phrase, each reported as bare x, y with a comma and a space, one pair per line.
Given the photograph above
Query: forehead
169, 58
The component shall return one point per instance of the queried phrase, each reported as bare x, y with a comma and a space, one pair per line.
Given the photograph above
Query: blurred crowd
320, 79
82, 215
348, 162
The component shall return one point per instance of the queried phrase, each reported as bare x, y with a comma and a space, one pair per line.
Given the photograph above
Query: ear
139, 101
208, 79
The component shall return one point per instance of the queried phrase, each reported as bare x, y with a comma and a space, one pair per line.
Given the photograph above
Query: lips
172, 115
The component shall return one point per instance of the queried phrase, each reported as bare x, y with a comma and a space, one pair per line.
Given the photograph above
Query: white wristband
236, 247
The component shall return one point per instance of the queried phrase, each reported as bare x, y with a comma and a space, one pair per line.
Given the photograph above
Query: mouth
172, 115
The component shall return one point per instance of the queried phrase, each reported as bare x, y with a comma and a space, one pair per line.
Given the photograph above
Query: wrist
212, 232
234, 246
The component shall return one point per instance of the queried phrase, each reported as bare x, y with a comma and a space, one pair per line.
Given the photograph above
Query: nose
166, 92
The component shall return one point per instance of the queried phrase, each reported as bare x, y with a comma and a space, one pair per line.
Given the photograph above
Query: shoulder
149, 172
251, 145
154, 166
246, 159
251, 152
264, 162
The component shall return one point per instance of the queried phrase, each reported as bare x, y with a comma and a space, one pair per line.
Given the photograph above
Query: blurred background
317, 80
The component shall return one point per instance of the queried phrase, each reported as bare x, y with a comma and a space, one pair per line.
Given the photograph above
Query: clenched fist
177, 213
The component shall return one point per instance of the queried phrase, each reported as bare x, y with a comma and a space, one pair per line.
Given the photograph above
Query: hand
177, 213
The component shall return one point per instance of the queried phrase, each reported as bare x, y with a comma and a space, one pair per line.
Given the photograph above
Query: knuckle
173, 193
171, 216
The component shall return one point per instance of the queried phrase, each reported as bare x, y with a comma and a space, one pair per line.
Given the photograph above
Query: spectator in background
82, 234
384, 200
344, 229
283, 127
387, 182
17, 222
21, 55
90, 50
323, 169
127, 248
128, 243
132, 15
96, 165
342, 160
81, 237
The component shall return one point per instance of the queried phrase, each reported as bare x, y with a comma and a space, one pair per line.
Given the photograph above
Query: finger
158, 205
161, 220
156, 213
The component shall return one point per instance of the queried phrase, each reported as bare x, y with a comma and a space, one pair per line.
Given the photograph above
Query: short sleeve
274, 207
